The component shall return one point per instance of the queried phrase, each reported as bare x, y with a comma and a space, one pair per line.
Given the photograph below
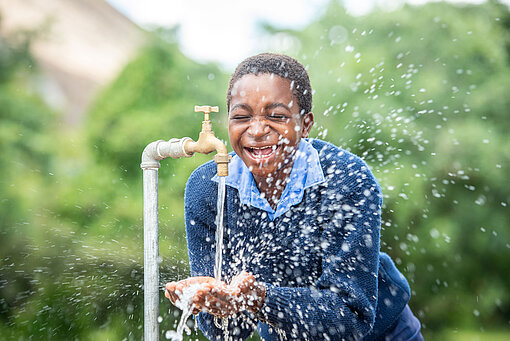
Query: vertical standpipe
150, 253
154, 152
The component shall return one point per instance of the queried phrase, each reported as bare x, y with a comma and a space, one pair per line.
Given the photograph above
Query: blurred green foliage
421, 93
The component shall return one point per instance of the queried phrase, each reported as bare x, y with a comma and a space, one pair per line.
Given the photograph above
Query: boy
301, 258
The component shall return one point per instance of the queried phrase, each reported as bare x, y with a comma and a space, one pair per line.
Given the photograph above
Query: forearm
317, 313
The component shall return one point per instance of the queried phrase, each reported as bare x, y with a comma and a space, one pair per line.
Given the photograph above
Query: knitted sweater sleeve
341, 304
200, 214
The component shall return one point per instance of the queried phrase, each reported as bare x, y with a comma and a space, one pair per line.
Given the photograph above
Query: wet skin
265, 127
218, 298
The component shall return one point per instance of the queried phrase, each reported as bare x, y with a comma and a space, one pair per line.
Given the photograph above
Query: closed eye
277, 116
239, 117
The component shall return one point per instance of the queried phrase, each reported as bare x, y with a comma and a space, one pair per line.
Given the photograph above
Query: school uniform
317, 253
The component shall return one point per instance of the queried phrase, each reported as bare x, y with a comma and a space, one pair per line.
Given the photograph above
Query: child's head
279, 65
269, 101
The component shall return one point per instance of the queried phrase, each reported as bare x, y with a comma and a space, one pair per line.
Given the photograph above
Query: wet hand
174, 290
251, 293
218, 298
243, 293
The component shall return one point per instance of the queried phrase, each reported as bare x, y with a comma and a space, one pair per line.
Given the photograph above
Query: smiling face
265, 125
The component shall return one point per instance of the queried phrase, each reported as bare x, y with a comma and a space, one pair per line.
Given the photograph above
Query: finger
179, 287
173, 297
170, 286
222, 306
198, 280
202, 281
175, 288
244, 275
208, 301
220, 312
222, 294
215, 312
244, 279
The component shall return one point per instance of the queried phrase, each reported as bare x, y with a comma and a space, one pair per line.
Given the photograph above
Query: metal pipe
150, 253
152, 154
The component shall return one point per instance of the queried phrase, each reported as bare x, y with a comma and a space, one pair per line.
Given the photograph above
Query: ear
307, 124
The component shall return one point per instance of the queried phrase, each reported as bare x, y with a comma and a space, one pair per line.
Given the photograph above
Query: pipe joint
159, 150
173, 148
222, 161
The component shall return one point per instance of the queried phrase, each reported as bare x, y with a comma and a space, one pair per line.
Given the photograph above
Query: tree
419, 94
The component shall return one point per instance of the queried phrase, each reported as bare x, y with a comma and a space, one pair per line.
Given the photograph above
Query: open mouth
261, 153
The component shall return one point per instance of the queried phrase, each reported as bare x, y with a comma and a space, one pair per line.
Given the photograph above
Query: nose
258, 127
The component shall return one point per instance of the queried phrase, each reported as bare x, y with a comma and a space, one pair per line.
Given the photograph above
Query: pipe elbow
159, 150
150, 156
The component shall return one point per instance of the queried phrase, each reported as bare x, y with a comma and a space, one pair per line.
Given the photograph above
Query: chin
262, 172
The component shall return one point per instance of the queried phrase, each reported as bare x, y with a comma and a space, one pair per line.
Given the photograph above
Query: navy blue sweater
320, 261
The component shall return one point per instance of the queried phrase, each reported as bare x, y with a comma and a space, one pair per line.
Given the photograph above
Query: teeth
273, 147
261, 155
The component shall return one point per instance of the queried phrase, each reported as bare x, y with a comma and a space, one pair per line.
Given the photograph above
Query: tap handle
206, 109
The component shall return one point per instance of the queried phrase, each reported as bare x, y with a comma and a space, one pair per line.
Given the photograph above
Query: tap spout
186, 147
152, 154
208, 142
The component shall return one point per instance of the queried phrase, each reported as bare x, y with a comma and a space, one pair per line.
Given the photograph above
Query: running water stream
219, 228
218, 259
184, 303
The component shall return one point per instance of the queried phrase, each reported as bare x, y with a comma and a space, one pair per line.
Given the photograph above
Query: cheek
232, 131
292, 133
234, 135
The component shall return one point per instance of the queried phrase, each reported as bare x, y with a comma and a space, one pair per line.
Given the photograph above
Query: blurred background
418, 89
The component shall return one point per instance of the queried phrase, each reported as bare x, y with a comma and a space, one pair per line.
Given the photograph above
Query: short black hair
280, 65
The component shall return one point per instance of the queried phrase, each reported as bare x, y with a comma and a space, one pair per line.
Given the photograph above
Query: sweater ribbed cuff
275, 306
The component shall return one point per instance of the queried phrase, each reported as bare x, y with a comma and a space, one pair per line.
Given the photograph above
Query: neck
272, 187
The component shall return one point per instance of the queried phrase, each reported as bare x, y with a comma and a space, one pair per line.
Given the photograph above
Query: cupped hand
218, 298
174, 290
251, 294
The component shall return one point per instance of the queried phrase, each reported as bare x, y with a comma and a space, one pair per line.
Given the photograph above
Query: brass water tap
208, 142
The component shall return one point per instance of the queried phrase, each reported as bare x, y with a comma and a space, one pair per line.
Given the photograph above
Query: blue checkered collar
306, 172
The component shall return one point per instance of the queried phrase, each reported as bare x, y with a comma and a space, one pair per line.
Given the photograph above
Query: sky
225, 31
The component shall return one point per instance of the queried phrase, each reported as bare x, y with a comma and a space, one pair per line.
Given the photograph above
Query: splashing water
185, 304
